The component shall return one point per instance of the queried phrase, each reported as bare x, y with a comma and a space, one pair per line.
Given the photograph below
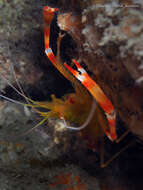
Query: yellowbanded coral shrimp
89, 108
102, 115
83, 77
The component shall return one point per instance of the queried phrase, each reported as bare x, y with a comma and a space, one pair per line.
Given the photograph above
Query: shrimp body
74, 76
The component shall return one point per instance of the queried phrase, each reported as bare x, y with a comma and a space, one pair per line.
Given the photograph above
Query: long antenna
21, 92
11, 100
1, 75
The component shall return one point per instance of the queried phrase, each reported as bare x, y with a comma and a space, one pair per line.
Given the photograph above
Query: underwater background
51, 156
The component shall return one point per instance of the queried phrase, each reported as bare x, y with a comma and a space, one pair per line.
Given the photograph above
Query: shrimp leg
104, 163
48, 14
99, 95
